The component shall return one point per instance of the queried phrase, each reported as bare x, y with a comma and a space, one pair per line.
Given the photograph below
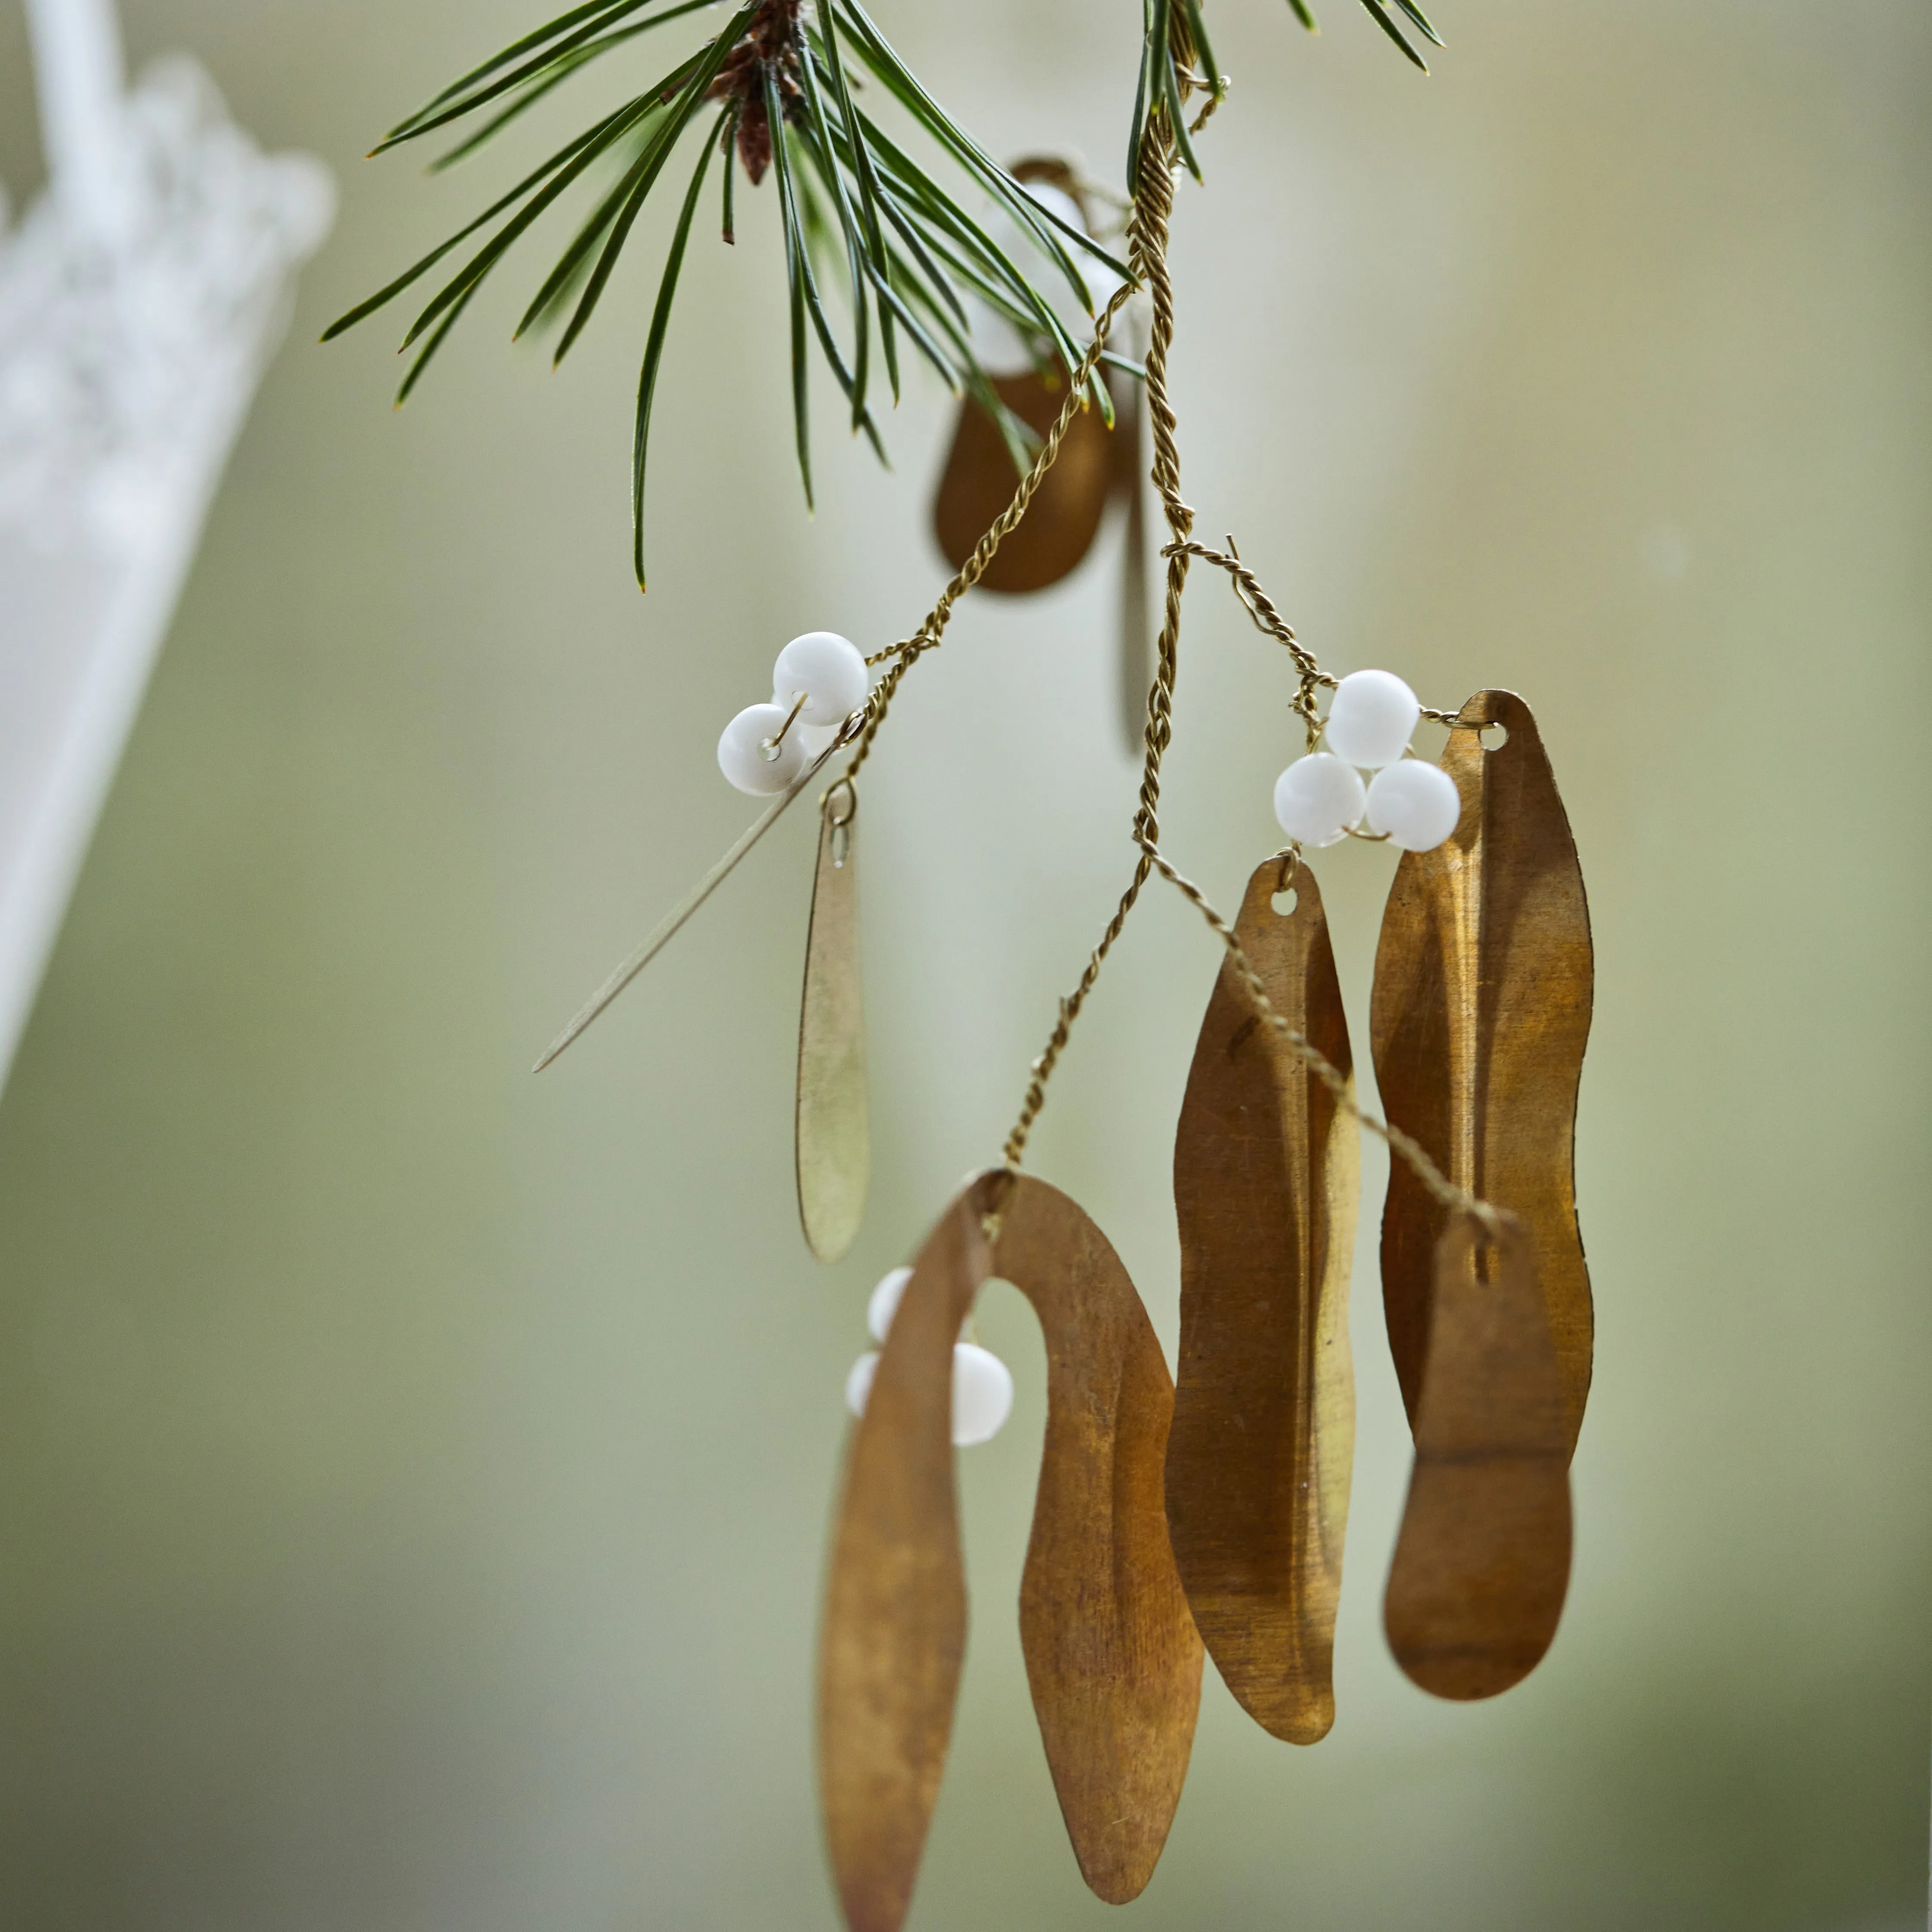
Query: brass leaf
1266, 1176
1481, 1010
1483, 1559
834, 1145
1111, 1656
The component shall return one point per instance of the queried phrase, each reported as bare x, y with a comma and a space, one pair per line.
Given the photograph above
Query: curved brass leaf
834, 1145
894, 1636
1112, 1655
1483, 1560
1266, 1176
980, 479
1481, 1010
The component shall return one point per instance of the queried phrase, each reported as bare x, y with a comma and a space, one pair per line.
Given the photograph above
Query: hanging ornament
1483, 1560
1481, 1005
834, 1144
989, 456
1058, 529
1481, 1012
1266, 1175
818, 682
1112, 1659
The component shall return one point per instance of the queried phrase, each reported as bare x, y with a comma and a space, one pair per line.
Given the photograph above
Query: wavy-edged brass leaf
834, 1146
1481, 1010
894, 1636
979, 480
1111, 1656
1266, 1177
1483, 1559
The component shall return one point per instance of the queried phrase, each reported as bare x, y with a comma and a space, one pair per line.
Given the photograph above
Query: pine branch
843, 186
905, 252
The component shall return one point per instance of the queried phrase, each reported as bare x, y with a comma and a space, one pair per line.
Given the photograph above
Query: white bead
742, 758
885, 1302
858, 1381
815, 738
1317, 798
982, 1391
1372, 718
1417, 804
829, 670
982, 1394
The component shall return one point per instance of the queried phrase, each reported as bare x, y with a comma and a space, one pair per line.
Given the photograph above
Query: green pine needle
855, 206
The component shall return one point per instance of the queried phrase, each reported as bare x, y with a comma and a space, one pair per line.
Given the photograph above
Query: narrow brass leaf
1111, 1654
833, 1124
1136, 668
894, 1636
1266, 1176
1483, 1559
978, 480
1481, 1010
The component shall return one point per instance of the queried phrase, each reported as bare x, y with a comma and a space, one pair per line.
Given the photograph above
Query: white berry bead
1417, 804
859, 1382
1372, 718
742, 758
1317, 798
982, 1394
885, 1302
830, 672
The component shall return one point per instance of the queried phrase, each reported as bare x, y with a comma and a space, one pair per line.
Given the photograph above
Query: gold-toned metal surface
1135, 666
1481, 1010
894, 1636
1266, 1176
1057, 172
1483, 1559
832, 1122
1111, 1656
978, 482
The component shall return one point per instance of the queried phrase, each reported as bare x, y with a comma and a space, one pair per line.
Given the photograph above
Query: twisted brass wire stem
1147, 232
1458, 1200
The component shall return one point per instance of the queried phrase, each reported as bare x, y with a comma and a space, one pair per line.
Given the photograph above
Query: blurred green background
414, 1477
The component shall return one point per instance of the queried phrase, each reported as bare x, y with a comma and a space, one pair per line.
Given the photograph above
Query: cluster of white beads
824, 675
1321, 799
982, 1387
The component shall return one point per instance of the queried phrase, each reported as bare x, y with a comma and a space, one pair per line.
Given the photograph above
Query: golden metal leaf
1266, 1176
1135, 667
978, 480
1483, 1559
1111, 1656
1481, 1010
895, 1632
833, 1120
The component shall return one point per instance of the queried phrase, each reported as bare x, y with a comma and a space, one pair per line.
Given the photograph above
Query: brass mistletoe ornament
1204, 1513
